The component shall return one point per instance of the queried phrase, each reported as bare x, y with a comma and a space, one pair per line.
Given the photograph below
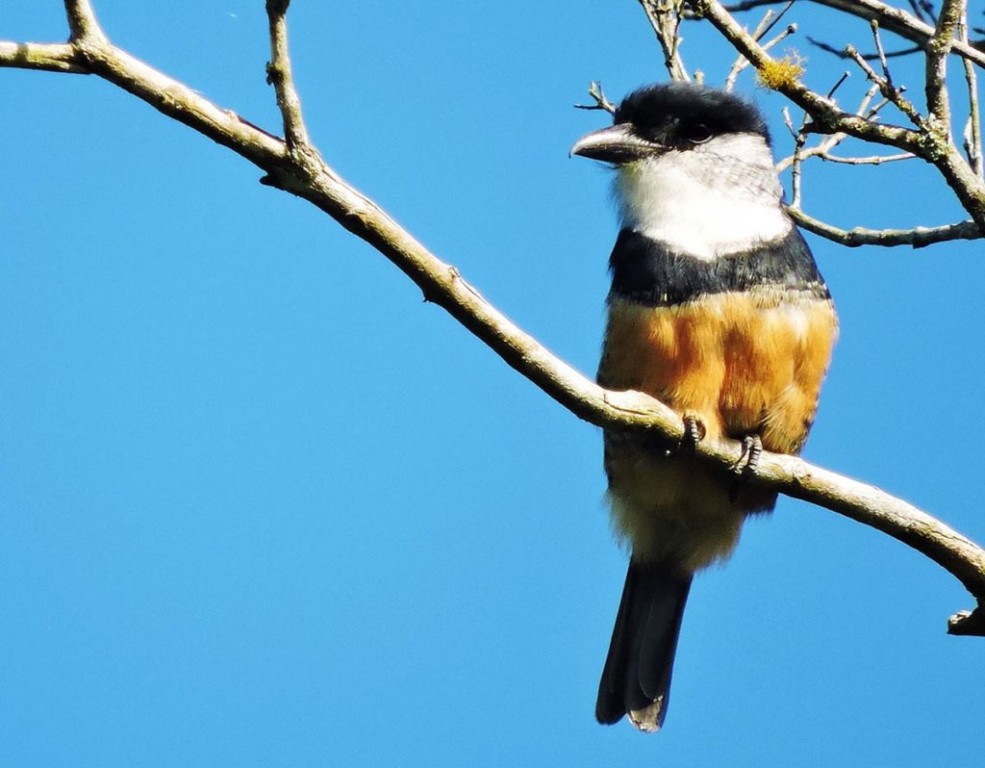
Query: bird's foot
748, 462
694, 433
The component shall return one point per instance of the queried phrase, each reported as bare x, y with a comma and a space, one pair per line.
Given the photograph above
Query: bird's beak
616, 144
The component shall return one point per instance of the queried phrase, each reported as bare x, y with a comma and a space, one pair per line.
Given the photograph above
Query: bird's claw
694, 433
748, 462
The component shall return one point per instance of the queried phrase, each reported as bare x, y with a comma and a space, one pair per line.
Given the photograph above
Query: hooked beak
616, 144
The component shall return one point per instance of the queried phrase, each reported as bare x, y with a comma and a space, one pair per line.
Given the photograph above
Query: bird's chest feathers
705, 202
741, 362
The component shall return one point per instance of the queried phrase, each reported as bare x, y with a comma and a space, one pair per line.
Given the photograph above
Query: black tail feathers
636, 677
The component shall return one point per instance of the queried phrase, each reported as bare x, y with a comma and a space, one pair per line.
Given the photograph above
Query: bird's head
672, 117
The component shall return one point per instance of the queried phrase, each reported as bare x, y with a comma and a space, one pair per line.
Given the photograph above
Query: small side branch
665, 18
885, 84
599, 97
973, 127
742, 62
279, 75
871, 160
917, 237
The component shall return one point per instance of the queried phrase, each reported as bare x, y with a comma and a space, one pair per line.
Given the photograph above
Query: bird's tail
636, 677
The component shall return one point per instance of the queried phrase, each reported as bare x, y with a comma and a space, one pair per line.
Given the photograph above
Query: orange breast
742, 363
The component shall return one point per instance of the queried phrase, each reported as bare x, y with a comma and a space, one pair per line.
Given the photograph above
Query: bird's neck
711, 201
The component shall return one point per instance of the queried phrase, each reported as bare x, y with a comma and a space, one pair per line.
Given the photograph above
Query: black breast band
646, 271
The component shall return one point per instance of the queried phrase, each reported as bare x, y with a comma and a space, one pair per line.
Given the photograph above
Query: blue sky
261, 505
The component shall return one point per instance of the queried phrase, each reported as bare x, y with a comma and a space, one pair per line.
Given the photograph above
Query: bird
717, 309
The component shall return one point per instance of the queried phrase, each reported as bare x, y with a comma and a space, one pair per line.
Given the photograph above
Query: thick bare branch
306, 175
939, 47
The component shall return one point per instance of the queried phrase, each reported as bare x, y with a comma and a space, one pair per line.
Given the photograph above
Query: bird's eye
697, 133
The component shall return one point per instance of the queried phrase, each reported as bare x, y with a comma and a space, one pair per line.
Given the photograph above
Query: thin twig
776, 20
797, 158
973, 127
598, 96
886, 87
840, 52
665, 19
923, 10
280, 76
881, 52
838, 83
805, 152
741, 62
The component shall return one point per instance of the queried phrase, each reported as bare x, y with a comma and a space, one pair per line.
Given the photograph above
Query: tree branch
279, 75
885, 84
764, 27
82, 23
306, 175
918, 237
51, 57
665, 18
973, 128
938, 49
891, 19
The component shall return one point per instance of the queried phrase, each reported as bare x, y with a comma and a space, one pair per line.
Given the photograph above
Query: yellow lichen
783, 72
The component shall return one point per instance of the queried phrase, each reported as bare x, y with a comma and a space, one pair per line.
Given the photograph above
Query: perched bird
718, 310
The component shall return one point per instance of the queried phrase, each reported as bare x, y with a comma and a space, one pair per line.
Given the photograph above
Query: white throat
718, 198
